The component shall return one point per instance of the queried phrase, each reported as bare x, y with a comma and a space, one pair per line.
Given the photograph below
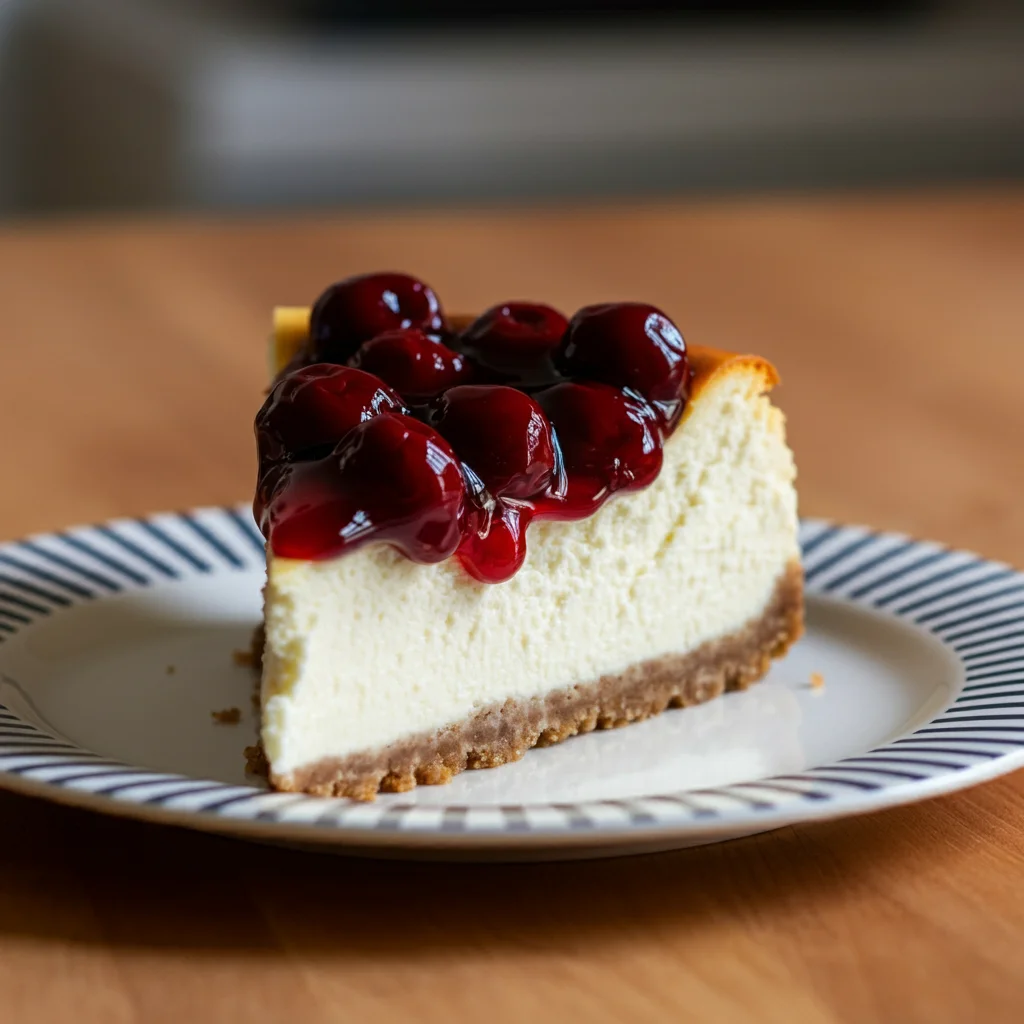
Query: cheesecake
495, 533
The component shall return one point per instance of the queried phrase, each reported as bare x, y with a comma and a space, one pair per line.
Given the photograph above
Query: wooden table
131, 363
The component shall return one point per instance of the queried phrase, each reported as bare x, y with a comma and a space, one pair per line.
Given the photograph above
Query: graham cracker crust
504, 732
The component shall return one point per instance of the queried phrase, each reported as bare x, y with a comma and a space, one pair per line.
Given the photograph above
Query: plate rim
888, 572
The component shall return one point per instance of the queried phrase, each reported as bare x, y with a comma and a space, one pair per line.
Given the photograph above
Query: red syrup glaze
307, 412
391, 478
584, 414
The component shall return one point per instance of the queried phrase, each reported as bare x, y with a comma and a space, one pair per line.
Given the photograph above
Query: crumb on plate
243, 657
171, 670
256, 761
817, 681
228, 716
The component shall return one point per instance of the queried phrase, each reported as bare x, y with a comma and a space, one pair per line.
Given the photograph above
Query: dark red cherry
417, 366
502, 435
359, 308
316, 406
610, 441
392, 479
494, 546
514, 335
271, 478
628, 345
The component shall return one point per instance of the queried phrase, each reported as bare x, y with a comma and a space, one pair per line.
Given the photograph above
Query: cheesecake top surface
290, 332
390, 422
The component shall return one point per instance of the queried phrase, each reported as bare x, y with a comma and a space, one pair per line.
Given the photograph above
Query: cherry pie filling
390, 427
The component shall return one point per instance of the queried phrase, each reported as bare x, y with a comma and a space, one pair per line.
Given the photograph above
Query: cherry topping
414, 364
316, 406
515, 336
628, 345
272, 477
502, 434
343, 464
391, 479
494, 547
359, 308
610, 441
306, 414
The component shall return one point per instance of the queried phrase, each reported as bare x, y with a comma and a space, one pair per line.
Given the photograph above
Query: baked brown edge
504, 732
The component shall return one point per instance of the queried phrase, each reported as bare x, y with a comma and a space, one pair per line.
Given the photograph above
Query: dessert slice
414, 627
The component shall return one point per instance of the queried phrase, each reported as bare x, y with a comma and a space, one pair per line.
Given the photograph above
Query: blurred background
248, 104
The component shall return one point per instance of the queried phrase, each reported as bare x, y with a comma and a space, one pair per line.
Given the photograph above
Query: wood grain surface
131, 364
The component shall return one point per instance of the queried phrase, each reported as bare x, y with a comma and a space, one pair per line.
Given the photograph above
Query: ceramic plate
117, 643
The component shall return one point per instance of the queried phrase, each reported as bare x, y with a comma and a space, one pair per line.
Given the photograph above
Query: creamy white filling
369, 648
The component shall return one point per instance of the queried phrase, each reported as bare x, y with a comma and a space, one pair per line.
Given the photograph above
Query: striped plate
116, 646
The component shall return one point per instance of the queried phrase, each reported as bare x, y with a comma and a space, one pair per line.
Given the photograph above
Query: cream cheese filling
368, 648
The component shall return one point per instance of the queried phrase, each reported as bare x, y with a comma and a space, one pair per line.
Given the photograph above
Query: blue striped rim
945, 595
740, 796
915, 741
975, 664
820, 775
103, 558
72, 566
638, 817
683, 801
47, 577
896, 575
1008, 705
875, 562
248, 530
212, 540
574, 815
23, 604
141, 553
811, 544
972, 606
1011, 641
892, 596
1012, 606
53, 761
845, 766
839, 557
30, 588
872, 759
181, 550
989, 691
985, 627
779, 787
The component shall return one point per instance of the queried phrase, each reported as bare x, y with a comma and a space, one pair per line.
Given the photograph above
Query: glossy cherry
305, 415
494, 544
515, 336
628, 345
316, 406
359, 308
609, 440
392, 479
416, 365
502, 435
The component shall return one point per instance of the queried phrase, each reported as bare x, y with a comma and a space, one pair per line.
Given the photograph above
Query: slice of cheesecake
388, 664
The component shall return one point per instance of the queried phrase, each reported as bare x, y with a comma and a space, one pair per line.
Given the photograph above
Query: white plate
116, 645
